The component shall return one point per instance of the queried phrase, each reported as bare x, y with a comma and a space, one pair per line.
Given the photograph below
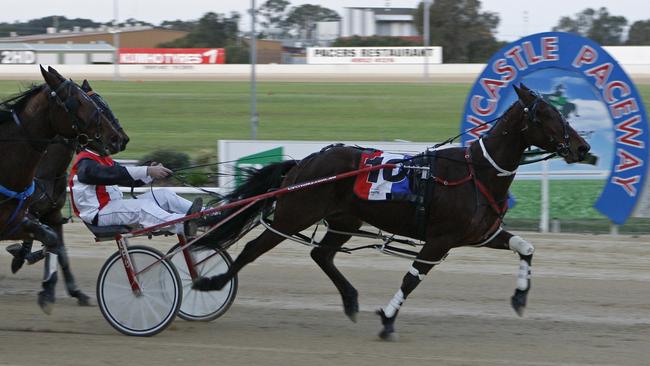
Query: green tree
465, 33
599, 25
639, 33
374, 41
40, 25
133, 21
302, 19
212, 30
180, 25
272, 13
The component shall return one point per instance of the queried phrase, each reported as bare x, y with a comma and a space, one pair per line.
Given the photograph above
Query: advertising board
17, 57
161, 56
374, 55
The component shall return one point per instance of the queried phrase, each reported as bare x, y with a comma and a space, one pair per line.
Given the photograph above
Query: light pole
253, 50
425, 31
116, 41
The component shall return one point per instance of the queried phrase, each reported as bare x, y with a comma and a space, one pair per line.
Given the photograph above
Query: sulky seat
109, 231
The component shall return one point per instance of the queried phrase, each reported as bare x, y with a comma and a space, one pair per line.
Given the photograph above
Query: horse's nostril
584, 148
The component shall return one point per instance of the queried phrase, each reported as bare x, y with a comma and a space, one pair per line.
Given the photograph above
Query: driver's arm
93, 173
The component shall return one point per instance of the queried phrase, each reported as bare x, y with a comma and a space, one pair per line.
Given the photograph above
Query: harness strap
469, 176
486, 155
16, 118
490, 198
18, 195
21, 197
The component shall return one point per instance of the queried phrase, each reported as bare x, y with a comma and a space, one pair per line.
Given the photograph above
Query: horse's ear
50, 79
56, 73
524, 94
85, 86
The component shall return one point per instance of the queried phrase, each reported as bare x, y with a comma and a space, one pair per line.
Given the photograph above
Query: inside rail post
544, 214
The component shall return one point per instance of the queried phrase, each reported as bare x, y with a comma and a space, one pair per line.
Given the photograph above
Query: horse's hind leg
324, 254
253, 249
506, 240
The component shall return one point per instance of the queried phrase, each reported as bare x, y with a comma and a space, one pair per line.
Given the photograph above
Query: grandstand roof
56, 47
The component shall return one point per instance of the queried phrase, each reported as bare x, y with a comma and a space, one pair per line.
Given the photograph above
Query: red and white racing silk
88, 199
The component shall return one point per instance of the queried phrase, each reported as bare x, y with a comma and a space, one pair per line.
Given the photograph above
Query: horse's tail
258, 181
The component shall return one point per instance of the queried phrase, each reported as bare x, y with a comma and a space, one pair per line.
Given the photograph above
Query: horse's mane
17, 102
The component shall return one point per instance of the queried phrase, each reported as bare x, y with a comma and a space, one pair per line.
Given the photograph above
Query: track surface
589, 305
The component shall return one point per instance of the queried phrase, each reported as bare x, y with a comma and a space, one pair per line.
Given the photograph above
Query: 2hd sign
591, 90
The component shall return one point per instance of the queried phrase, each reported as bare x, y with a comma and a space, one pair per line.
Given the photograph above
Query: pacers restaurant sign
374, 55
591, 90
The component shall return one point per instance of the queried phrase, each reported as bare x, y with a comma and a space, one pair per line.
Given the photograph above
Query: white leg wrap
416, 273
51, 263
394, 304
523, 276
520, 245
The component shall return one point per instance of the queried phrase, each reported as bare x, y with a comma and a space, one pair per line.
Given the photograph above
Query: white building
367, 22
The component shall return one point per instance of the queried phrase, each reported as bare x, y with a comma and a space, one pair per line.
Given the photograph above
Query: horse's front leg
425, 260
48, 237
506, 240
55, 220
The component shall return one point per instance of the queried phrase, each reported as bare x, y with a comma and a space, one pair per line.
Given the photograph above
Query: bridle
530, 111
105, 109
562, 148
71, 106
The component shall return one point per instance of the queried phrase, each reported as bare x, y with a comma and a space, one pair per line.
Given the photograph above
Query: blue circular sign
590, 89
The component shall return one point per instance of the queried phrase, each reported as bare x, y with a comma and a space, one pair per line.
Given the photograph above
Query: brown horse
468, 212
28, 123
50, 196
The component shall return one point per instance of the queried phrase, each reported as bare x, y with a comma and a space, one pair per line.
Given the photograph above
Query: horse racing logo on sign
590, 89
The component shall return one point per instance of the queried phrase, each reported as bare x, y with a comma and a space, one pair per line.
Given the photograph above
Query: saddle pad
383, 184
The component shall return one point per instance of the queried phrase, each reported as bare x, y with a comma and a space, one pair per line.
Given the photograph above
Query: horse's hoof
518, 302
18, 253
202, 284
214, 283
388, 336
82, 299
46, 302
351, 306
388, 333
352, 316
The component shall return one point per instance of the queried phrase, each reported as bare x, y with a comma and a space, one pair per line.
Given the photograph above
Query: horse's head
108, 113
76, 116
546, 128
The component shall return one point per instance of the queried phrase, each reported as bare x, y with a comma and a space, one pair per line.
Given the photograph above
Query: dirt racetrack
589, 305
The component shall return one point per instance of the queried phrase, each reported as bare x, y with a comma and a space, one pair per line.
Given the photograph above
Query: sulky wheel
202, 305
145, 313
